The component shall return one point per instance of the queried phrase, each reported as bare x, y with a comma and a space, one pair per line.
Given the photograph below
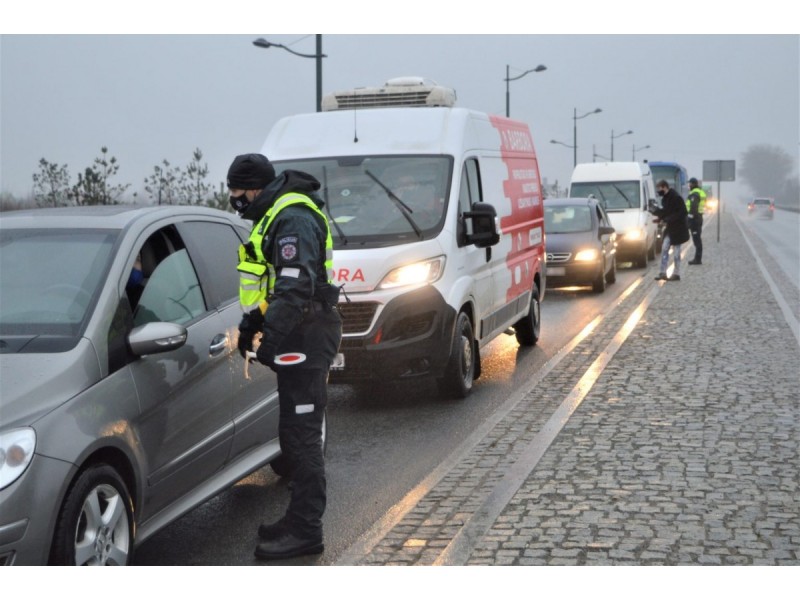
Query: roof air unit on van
401, 91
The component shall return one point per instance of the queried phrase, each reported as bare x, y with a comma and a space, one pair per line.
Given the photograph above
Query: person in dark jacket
676, 229
288, 297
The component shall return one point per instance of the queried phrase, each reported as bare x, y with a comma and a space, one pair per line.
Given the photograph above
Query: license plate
556, 271
338, 362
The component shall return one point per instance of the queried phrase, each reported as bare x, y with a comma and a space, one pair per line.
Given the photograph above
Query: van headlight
16, 453
634, 234
586, 255
426, 271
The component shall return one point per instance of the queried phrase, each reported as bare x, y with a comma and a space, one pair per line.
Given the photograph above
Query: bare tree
162, 184
193, 186
767, 170
51, 185
93, 185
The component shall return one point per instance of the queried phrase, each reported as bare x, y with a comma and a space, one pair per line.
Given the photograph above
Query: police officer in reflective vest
696, 206
287, 295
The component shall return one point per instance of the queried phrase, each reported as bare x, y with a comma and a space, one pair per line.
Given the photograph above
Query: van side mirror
480, 225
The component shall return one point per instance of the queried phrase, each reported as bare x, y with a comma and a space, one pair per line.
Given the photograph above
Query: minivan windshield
374, 201
567, 219
49, 279
617, 195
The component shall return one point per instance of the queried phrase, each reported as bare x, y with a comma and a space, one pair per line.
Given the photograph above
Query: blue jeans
676, 255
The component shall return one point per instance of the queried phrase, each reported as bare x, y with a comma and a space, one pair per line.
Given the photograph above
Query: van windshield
617, 195
374, 201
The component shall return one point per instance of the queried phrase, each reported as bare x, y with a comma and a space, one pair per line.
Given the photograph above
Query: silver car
123, 403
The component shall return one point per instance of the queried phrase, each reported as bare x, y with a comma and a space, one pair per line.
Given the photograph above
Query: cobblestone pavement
677, 445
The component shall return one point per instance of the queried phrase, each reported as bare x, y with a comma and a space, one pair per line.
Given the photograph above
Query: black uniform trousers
302, 391
696, 227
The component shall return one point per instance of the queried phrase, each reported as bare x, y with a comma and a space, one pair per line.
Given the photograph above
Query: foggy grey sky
153, 97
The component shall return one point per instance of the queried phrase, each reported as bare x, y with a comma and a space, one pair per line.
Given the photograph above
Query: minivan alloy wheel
95, 526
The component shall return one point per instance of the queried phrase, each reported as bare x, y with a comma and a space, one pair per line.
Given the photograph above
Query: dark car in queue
581, 243
124, 403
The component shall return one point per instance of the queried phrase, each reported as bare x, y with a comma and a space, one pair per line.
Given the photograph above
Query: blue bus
676, 176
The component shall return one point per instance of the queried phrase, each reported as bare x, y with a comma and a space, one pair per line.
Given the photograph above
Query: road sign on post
719, 170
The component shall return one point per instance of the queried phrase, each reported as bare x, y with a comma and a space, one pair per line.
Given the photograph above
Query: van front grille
357, 316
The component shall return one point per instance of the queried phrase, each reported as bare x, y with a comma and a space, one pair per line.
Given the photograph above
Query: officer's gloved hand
250, 325
266, 354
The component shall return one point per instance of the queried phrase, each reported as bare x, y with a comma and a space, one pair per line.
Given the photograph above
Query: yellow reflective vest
701, 205
256, 273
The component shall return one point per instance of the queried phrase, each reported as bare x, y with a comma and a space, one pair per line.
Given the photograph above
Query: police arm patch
288, 248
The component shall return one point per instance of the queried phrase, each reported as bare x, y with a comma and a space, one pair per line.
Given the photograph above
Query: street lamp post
262, 43
575, 118
633, 155
538, 69
613, 137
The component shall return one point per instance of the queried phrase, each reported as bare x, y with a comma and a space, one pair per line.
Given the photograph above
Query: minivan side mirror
606, 230
156, 337
481, 225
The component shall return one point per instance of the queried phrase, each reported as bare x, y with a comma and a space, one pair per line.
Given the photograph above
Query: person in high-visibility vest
696, 205
287, 294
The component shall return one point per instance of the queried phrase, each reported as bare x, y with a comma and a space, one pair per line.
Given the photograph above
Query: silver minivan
123, 400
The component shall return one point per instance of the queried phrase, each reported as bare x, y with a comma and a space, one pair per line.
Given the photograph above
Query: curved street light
562, 143
596, 155
635, 149
613, 137
262, 43
538, 69
575, 118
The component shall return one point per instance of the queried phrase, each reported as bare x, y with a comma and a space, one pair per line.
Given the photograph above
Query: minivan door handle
218, 344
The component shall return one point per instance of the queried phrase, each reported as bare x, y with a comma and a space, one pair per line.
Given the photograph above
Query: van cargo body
436, 215
625, 190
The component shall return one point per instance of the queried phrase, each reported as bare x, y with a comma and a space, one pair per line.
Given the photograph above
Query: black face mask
661, 192
239, 203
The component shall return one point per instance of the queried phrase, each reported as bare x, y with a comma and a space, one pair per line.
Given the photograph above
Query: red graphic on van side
524, 191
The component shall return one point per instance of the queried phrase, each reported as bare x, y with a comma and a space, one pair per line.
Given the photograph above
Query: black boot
289, 545
272, 531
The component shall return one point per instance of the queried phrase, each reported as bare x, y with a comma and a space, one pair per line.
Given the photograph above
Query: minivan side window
172, 293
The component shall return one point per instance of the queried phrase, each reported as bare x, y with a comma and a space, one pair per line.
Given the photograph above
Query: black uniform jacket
295, 246
673, 214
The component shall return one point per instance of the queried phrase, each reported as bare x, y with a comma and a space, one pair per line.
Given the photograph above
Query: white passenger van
625, 189
436, 215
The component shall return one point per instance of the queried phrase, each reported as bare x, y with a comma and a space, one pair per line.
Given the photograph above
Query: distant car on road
764, 208
580, 242
124, 402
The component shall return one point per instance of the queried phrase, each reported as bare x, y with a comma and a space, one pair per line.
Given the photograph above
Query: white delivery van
625, 189
436, 215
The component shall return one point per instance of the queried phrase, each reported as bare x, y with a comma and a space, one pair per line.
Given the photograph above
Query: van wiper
328, 207
621, 193
404, 209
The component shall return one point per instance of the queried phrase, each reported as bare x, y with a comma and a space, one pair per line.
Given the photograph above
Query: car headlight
16, 453
586, 255
634, 234
426, 271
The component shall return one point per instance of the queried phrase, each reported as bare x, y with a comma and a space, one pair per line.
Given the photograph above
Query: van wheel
527, 328
641, 260
281, 465
460, 371
95, 525
651, 251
